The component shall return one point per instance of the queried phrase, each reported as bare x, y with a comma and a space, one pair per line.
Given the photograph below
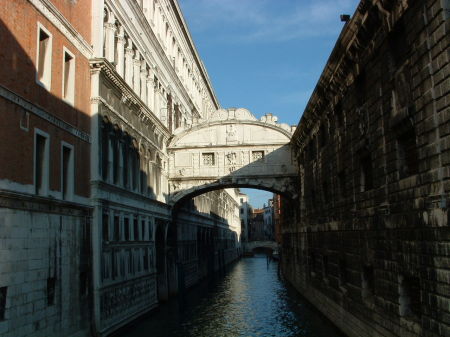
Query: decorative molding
30, 107
59, 21
158, 48
128, 95
34, 203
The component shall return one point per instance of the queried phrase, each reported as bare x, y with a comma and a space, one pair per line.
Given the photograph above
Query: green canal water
249, 300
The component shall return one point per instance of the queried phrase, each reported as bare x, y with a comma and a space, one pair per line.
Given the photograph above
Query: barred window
208, 159
3, 292
256, 155
51, 284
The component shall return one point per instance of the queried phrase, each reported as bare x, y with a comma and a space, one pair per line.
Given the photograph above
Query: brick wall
45, 268
18, 31
369, 241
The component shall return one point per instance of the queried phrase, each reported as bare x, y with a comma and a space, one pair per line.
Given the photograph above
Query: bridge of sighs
232, 149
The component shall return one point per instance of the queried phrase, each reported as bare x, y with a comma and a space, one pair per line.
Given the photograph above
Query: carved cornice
128, 95
209, 124
38, 111
130, 128
34, 203
64, 26
159, 49
131, 195
355, 44
191, 44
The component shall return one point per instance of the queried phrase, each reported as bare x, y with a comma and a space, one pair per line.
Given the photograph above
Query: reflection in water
250, 300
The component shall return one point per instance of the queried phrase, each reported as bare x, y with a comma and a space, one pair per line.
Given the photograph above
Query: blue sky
265, 55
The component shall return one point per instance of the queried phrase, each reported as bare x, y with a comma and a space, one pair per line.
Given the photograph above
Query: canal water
249, 300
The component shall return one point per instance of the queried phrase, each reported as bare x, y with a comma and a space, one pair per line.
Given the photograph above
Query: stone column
110, 29
143, 82
150, 88
120, 66
157, 102
129, 63
137, 73
155, 93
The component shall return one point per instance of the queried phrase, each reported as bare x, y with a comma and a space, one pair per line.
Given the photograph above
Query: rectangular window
51, 283
116, 156
136, 164
3, 292
150, 231
105, 149
105, 226
68, 85
126, 228
136, 229
67, 172
257, 155
368, 284
366, 176
410, 296
24, 120
398, 44
208, 159
116, 228
323, 135
41, 163
125, 164
145, 256
407, 157
339, 115
144, 236
44, 57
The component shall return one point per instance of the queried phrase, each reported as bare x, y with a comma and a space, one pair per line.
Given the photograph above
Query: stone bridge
249, 246
232, 149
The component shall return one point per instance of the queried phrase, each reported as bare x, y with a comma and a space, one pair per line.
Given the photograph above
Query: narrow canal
250, 300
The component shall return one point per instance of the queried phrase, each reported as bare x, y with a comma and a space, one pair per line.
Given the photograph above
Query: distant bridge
249, 246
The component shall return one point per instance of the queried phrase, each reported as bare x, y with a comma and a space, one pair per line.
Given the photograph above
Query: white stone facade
147, 81
45, 213
47, 277
95, 252
232, 149
244, 214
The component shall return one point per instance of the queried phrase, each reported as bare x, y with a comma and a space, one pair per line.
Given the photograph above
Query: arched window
115, 143
125, 160
105, 148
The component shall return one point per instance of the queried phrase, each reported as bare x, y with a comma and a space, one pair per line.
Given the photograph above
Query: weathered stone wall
45, 268
207, 235
368, 243
45, 215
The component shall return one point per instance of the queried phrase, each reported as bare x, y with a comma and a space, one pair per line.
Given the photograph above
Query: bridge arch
251, 245
232, 149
